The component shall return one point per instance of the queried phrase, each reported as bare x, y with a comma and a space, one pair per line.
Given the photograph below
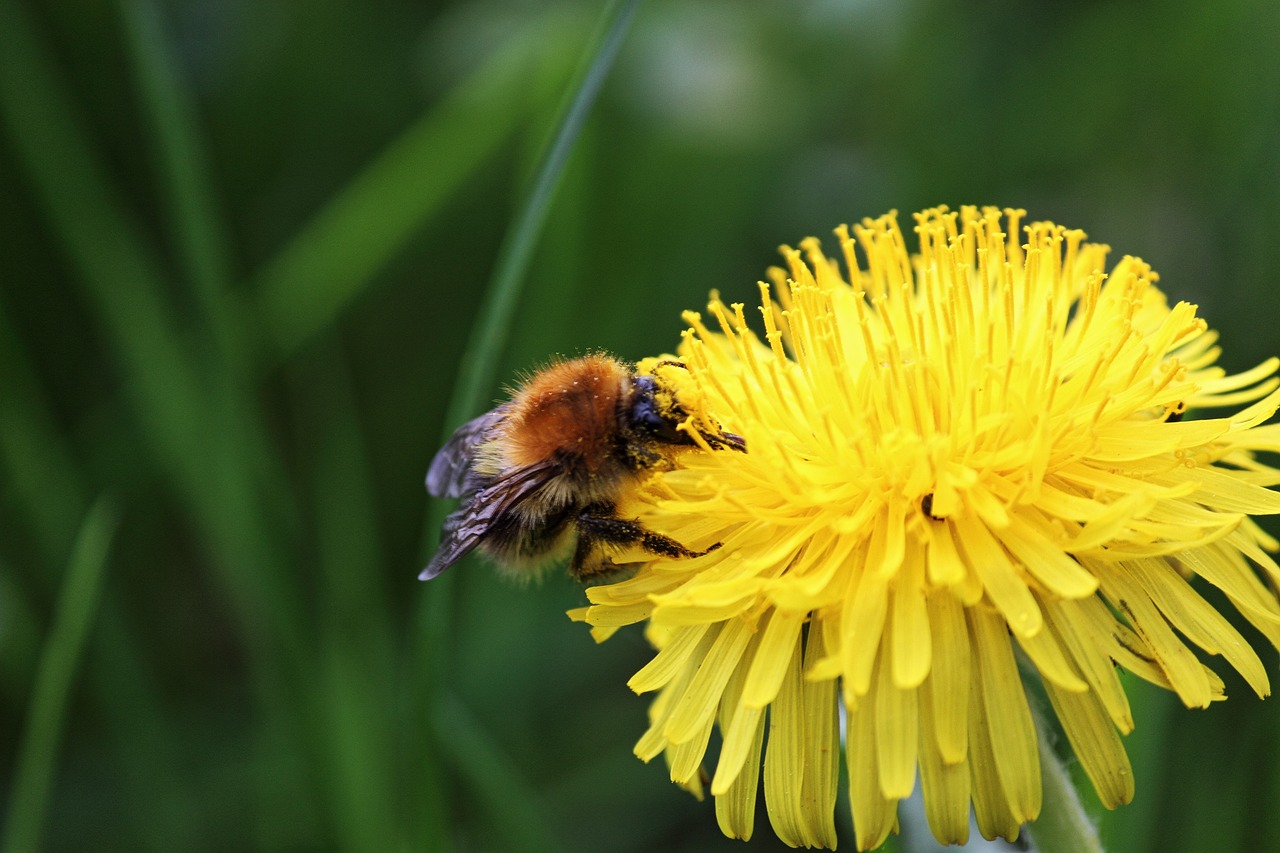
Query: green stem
1063, 825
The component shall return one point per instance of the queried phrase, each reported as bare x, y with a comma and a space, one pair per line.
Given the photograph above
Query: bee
553, 463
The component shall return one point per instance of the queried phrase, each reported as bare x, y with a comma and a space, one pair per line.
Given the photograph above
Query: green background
243, 245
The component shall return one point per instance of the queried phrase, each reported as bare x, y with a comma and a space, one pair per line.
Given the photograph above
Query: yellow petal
670, 661
946, 566
706, 603
1224, 491
736, 806
1007, 590
685, 760
1096, 744
896, 735
1047, 562
1127, 441
631, 591
888, 544
944, 784
991, 806
1198, 621
821, 752
693, 713
1241, 380
911, 650
866, 609
1185, 673
874, 817
1051, 660
1228, 571
949, 677
784, 758
1065, 620
652, 742
1006, 715
616, 616
777, 645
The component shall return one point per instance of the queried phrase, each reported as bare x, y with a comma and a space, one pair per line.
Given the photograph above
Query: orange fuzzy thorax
569, 408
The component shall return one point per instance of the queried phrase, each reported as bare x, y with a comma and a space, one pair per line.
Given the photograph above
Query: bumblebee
553, 463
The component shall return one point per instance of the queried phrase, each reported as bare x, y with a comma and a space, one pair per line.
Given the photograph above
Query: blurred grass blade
39, 472
183, 172
357, 649
36, 467
103, 241
477, 369
200, 423
1136, 824
511, 804
38, 750
201, 427
477, 375
338, 255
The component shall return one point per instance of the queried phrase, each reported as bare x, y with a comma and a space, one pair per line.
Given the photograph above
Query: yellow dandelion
959, 461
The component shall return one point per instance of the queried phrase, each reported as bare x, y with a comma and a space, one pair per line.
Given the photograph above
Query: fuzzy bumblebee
547, 470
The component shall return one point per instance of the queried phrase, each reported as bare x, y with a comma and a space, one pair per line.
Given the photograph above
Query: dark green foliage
243, 250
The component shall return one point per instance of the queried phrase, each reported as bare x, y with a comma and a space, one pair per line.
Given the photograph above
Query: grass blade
477, 375
511, 804
477, 369
355, 646
334, 258
38, 750
201, 422
39, 473
103, 242
184, 175
1154, 711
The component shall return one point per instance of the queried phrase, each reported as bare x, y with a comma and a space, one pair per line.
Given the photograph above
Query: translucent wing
490, 506
450, 469
463, 530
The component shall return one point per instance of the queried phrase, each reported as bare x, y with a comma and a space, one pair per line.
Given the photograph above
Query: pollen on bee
571, 407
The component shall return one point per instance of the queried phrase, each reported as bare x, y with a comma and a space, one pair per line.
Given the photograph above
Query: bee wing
447, 476
468, 526
463, 530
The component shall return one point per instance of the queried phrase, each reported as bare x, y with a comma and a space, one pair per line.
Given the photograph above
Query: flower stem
1063, 825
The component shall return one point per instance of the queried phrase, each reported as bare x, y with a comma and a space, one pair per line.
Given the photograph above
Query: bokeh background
242, 248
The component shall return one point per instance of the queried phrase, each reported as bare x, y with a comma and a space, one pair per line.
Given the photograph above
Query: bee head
655, 412
660, 404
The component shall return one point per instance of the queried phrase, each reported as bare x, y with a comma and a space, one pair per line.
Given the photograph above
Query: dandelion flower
961, 463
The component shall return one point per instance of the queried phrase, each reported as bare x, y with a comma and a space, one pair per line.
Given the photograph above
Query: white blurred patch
702, 71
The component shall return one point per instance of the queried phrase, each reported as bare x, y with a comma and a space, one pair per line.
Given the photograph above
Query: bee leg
591, 563
600, 527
